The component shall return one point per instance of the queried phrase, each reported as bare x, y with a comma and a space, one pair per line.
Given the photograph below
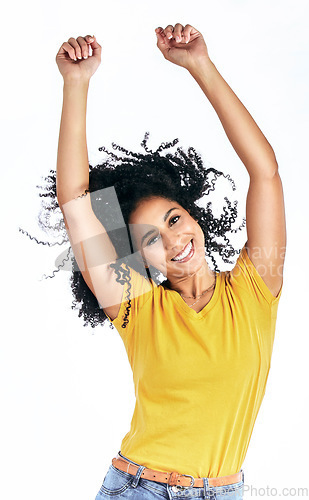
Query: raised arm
76, 67
87, 235
266, 229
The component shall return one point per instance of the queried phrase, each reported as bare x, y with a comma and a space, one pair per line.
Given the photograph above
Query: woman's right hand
74, 60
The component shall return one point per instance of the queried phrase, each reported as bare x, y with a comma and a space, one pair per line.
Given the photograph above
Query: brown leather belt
173, 478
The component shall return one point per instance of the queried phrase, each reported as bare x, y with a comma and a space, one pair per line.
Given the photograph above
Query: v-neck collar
189, 311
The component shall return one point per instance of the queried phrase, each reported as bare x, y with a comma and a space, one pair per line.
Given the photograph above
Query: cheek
190, 226
157, 259
155, 255
200, 237
199, 229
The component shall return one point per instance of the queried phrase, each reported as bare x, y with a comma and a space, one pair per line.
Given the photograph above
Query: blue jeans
121, 485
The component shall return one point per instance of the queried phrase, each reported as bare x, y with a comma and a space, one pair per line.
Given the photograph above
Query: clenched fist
182, 45
74, 58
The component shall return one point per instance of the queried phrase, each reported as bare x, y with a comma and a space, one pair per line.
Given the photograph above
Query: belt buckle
192, 479
178, 487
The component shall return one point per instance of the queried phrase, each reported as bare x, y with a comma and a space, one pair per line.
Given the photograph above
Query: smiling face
167, 237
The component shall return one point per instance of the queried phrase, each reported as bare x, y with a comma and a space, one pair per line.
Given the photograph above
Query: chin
184, 271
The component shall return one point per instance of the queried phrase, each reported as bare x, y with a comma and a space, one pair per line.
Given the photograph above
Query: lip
190, 254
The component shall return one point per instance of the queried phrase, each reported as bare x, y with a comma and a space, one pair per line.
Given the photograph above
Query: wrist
78, 83
203, 69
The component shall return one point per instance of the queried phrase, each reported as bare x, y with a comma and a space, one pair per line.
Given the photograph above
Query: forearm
245, 136
72, 159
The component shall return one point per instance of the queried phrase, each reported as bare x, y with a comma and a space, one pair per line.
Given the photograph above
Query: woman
200, 342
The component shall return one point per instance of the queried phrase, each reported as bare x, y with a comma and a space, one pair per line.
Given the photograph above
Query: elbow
273, 167
274, 172
266, 169
276, 166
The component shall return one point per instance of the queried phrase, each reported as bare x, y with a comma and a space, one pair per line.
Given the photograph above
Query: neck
193, 284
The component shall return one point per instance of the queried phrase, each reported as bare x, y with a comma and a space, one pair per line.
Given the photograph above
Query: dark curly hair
179, 177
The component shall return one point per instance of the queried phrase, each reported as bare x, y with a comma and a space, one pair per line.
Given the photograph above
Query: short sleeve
245, 276
138, 289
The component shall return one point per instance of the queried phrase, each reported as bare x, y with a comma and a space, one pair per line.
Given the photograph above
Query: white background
66, 391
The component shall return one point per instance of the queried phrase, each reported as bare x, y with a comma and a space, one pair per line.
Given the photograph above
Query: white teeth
185, 253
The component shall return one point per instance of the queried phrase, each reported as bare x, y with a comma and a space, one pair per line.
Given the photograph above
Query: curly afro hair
179, 177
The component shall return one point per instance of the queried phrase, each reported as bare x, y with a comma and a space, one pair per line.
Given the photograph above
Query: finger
83, 46
66, 48
89, 39
161, 38
169, 31
178, 32
160, 31
76, 47
95, 46
187, 32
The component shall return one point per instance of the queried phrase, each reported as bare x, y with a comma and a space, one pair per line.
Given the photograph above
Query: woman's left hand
184, 46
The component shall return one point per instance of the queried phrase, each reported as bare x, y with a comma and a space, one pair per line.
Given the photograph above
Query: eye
173, 219
153, 240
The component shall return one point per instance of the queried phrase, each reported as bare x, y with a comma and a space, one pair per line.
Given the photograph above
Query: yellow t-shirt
199, 378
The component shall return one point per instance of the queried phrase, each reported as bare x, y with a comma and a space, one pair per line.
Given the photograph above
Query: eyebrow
164, 219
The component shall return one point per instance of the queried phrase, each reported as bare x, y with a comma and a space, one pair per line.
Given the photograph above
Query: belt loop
243, 475
127, 459
206, 488
137, 476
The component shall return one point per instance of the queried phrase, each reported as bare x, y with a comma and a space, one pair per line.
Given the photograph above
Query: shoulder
137, 290
245, 277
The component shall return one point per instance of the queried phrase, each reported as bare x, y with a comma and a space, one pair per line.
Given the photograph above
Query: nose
173, 244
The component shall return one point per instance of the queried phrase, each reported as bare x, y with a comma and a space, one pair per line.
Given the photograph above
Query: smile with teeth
186, 254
